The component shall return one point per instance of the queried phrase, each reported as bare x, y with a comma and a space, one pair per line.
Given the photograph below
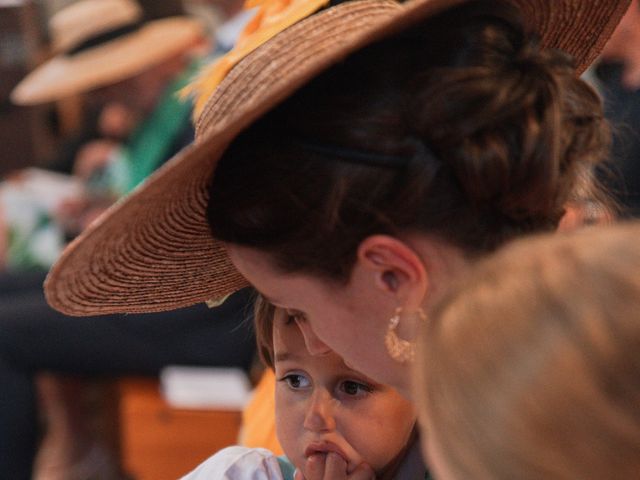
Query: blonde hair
529, 367
264, 315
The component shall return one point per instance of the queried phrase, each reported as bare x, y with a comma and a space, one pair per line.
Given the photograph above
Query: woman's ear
397, 269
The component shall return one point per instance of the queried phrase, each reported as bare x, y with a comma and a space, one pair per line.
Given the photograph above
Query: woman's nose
314, 345
319, 416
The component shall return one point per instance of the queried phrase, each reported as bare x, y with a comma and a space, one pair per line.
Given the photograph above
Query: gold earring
402, 351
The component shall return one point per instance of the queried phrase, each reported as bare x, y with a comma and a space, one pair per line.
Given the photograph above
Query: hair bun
533, 94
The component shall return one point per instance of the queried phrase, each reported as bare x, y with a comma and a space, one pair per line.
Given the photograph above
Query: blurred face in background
141, 93
624, 46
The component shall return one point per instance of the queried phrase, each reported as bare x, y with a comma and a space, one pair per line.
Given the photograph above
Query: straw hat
154, 251
100, 42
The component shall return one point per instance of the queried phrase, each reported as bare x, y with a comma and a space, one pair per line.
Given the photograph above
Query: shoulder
238, 463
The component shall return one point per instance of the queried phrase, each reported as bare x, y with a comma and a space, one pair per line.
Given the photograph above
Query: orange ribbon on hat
272, 17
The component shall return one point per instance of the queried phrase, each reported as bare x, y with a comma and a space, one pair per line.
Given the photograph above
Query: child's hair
529, 367
461, 127
264, 315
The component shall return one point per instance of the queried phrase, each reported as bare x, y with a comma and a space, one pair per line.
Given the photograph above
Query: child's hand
333, 467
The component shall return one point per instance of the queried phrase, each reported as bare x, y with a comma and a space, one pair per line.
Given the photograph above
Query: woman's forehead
257, 269
281, 289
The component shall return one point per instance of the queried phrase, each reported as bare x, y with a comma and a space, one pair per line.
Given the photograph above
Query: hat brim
153, 251
67, 75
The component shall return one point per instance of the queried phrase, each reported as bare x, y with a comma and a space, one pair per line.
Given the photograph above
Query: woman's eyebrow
270, 300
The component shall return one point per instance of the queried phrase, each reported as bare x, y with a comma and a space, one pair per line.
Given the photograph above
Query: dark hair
461, 127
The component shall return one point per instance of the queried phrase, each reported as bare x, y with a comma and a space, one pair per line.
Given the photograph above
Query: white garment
238, 463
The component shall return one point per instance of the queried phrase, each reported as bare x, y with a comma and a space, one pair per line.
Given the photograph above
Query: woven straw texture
154, 252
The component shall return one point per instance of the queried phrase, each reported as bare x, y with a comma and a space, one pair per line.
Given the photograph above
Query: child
332, 421
530, 368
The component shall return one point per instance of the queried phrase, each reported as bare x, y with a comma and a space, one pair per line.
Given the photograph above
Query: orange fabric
272, 17
258, 418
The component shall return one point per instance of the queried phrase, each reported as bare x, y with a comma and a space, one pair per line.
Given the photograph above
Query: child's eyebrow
283, 356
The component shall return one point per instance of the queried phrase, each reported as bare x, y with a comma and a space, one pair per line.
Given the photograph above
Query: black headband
363, 157
105, 37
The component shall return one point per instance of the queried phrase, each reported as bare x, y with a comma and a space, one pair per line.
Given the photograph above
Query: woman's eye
296, 317
296, 381
355, 388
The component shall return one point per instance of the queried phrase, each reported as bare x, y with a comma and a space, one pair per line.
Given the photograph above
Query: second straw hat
154, 251
101, 42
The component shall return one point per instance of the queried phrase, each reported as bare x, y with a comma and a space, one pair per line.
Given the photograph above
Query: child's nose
314, 345
319, 417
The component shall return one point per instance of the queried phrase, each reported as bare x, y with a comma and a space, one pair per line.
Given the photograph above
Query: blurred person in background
617, 78
132, 70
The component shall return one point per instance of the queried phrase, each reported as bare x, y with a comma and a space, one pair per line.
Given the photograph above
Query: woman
409, 140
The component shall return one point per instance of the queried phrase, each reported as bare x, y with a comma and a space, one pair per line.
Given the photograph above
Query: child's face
323, 406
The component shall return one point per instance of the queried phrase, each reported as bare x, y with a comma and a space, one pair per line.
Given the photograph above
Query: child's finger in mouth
335, 466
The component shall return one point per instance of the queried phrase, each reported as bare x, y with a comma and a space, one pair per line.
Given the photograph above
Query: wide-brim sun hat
154, 251
100, 43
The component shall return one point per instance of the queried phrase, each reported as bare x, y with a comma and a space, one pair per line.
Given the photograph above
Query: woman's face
349, 319
324, 407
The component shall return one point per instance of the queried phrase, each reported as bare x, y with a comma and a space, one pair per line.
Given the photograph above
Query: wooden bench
159, 442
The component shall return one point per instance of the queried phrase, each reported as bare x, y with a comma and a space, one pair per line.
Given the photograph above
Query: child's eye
353, 388
296, 381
